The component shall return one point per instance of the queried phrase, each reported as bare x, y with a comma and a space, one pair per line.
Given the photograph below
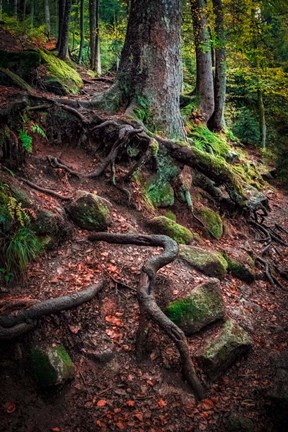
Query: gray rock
89, 211
51, 365
203, 306
209, 263
222, 351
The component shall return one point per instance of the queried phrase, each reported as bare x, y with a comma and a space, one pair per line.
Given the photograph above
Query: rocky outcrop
223, 350
209, 263
164, 225
89, 211
203, 306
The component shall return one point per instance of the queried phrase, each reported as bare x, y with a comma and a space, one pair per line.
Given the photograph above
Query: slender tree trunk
217, 121
47, 17
92, 24
149, 73
32, 13
81, 25
16, 8
24, 10
1, 8
63, 48
262, 119
204, 75
61, 10
97, 40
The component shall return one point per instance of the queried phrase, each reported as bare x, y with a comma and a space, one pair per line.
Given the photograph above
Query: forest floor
117, 393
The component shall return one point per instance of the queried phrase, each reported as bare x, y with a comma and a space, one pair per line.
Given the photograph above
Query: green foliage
26, 140
246, 127
213, 143
18, 243
37, 129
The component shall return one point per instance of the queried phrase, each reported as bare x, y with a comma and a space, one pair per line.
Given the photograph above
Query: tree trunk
217, 121
97, 40
149, 74
262, 119
47, 18
15, 9
61, 9
32, 13
204, 77
95, 62
63, 48
81, 25
1, 6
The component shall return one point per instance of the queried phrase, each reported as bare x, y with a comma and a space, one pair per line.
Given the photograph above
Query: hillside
110, 389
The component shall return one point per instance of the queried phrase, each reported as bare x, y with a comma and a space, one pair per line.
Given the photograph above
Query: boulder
203, 306
52, 227
209, 263
212, 221
165, 225
239, 270
55, 74
223, 350
89, 211
51, 365
278, 395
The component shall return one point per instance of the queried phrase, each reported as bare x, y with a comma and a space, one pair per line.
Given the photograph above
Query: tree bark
217, 121
262, 119
61, 8
149, 74
47, 17
63, 48
95, 62
204, 75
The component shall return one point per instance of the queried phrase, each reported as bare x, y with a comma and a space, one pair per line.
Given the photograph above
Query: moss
44, 372
238, 269
160, 194
170, 215
212, 221
164, 225
215, 143
59, 73
89, 212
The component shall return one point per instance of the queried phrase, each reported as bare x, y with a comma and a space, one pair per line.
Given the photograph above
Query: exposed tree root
147, 303
20, 322
44, 190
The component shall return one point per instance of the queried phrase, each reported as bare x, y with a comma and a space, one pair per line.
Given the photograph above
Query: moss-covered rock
208, 263
89, 211
160, 194
223, 350
52, 227
51, 366
164, 225
212, 221
239, 270
57, 75
203, 306
60, 78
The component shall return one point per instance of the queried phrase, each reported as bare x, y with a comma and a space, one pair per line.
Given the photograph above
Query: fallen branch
146, 299
44, 190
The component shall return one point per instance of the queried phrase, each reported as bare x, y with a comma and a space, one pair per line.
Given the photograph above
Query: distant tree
95, 59
47, 17
81, 27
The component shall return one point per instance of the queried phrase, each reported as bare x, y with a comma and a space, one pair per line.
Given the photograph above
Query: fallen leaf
120, 425
139, 416
206, 404
101, 403
130, 403
55, 429
10, 407
161, 403
74, 329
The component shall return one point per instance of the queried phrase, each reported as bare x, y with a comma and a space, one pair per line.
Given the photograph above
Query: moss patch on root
164, 225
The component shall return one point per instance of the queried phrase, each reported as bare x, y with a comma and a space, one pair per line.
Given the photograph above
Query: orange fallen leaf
10, 407
207, 404
101, 403
130, 403
161, 403
139, 416
55, 429
120, 425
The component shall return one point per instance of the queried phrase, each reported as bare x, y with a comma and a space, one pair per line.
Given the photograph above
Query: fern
26, 140
23, 247
37, 129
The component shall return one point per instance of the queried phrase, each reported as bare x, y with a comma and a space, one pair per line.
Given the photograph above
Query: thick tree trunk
204, 77
217, 121
149, 74
63, 48
81, 25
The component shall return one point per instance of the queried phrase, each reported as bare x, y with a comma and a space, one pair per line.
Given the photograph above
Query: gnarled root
147, 303
18, 323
